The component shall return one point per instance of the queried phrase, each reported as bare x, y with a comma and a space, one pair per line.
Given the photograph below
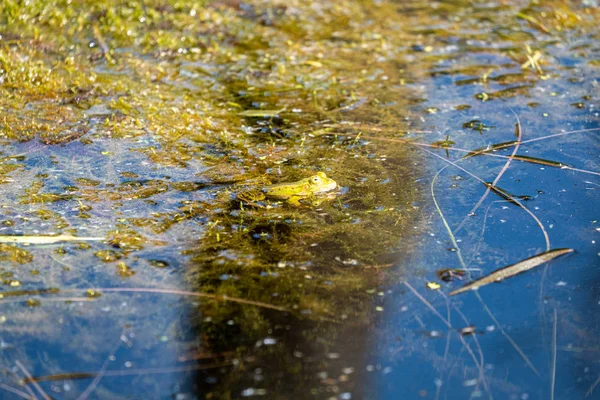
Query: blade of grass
502, 171
35, 385
447, 323
100, 373
479, 350
591, 389
129, 372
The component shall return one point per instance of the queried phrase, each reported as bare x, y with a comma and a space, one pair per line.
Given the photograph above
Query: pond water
462, 136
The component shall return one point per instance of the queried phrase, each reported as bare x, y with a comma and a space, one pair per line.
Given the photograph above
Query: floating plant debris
467, 330
477, 125
450, 274
444, 143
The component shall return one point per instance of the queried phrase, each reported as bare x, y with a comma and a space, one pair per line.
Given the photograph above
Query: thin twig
49, 300
483, 228
193, 294
35, 385
449, 314
409, 141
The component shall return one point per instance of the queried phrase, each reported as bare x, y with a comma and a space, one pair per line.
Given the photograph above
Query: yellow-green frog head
292, 192
313, 185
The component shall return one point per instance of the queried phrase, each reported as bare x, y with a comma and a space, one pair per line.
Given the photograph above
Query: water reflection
533, 334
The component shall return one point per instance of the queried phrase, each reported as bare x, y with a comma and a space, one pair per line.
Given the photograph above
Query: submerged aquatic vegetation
15, 254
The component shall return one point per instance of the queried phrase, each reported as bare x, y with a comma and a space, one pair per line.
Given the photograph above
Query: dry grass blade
540, 161
102, 371
193, 294
534, 22
144, 290
43, 239
512, 270
464, 343
560, 134
504, 168
487, 152
103, 45
513, 200
428, 304
129, 372
480, 351
591, 389
35, 384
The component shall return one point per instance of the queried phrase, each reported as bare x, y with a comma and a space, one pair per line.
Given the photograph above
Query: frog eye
315, 179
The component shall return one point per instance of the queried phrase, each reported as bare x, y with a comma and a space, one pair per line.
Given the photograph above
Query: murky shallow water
136, 129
